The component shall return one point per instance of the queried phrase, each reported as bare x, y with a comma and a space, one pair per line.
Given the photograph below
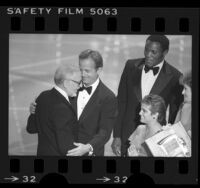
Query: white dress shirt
84, 97
148, 79
62, 92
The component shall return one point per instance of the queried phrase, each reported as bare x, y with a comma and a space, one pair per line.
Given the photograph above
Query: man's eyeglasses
76, 82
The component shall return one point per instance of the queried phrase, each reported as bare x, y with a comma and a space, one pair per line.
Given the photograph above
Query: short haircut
157, 105
64, 72
94, 55
162, 39
186, 79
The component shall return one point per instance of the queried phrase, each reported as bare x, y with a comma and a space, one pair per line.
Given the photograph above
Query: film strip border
102, 20
117, 170
88, 24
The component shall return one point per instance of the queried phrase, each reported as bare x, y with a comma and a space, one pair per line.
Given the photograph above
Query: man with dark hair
54, 119
149, 75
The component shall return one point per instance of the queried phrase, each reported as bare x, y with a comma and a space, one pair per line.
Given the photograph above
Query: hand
80, 150
133, 151
116, 146
32, 107
185, 115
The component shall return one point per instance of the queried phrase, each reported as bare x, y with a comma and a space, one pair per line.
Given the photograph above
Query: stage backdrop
33, 59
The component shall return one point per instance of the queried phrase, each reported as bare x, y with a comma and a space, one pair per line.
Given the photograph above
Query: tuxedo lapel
137, 81
91, 104
162, 80
73, 101
62, 98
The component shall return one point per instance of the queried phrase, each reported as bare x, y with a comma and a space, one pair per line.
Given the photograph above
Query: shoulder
134, 62
173, 70
141, 129
105, 90
138, 134
44, 94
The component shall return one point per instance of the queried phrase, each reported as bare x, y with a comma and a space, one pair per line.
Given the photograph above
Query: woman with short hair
185, 111
153, 117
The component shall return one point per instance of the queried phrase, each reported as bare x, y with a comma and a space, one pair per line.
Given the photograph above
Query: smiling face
153, 53
89, 72
73, 84
146, 115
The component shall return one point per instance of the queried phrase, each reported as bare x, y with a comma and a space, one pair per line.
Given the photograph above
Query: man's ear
99, 70
165, 53
65, 83
155, 116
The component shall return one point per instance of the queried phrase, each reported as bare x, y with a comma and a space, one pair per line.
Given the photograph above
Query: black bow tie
154, 69
88, 89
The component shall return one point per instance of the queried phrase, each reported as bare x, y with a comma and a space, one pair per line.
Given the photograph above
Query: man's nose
83, 73
148, 54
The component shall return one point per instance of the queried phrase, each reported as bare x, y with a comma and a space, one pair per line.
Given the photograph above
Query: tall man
55, 120
96, 107
141, 77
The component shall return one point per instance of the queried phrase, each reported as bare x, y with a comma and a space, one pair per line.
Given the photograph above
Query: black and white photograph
100, 95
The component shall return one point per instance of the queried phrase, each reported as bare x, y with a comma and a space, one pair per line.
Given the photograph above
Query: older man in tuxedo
151, 74
54, 119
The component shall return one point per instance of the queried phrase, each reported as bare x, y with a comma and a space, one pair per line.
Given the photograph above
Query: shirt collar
160, 65
62, 92
94, 85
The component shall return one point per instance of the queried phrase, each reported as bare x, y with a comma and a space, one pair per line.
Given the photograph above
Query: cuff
90, 150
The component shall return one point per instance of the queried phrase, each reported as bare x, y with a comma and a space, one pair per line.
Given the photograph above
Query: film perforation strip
160, 24
40, 24
135, 166
87, 166
15, 23
39, 165
87, 24
64, 24
183, 167
14, 165
184, 25
111, 166
159, 167
62, 165
111, 23
136, 24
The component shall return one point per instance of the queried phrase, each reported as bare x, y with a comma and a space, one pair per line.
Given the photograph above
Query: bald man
54, 120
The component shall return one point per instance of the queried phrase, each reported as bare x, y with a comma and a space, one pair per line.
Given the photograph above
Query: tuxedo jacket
97, 119
55, 123
129, 96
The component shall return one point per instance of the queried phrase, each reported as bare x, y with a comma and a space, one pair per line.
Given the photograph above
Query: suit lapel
73, 101
162, 80
137, 80
64, 100
91, 104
